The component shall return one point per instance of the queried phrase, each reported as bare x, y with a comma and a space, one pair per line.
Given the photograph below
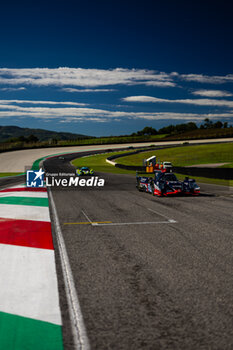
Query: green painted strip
21, 333
35, 165
39, 202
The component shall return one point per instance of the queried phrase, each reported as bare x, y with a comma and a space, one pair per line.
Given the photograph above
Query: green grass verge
186, 155
228, 165
10, 174
98, 163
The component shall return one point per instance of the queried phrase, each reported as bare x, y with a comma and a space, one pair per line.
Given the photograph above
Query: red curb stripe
27, 233
20, 189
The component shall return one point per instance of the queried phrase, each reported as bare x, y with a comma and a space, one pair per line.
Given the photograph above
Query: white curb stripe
29, 283
24, 194
24, 212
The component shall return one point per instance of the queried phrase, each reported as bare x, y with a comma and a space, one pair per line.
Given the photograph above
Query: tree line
181, 128
28, 139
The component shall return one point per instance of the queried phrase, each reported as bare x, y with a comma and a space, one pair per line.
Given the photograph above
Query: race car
84, 171
165, 184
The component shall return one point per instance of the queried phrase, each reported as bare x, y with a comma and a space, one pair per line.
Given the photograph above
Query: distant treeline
29, 139
181, 128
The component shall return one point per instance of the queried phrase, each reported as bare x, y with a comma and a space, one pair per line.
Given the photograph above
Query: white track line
170, 221
156, 212
77, 323
88, 219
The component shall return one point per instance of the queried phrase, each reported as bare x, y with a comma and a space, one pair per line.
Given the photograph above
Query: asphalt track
16, 161
11, 181
150, 273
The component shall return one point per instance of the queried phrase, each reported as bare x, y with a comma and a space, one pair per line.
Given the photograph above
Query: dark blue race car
165, 184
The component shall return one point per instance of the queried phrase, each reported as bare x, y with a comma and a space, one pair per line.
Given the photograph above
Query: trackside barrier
213, 173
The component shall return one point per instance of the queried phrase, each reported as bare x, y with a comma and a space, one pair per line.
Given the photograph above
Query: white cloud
13, 88
83, 77
81, 114
86, 90
83, 119
160, 83
212, 93
141, 99
91, 78
35, 102
211, 79
197, 102
186, 116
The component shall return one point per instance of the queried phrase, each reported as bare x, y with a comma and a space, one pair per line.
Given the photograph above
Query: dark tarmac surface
11, 181
143, 280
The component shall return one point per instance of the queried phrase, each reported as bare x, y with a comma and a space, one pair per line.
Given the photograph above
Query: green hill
11, 132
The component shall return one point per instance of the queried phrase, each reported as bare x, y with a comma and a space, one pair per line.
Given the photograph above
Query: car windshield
170, 177
85, 168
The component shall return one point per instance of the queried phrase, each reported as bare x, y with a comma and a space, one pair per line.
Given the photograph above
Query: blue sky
113, 67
